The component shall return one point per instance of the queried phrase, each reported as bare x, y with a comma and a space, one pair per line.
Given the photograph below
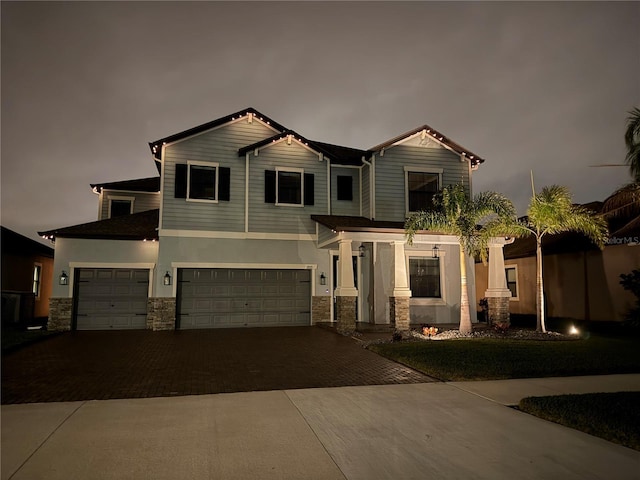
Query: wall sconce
64, 278
361, 250
323, 279
166, 280
435, 252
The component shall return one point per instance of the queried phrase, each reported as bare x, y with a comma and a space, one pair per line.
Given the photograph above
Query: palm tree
551, 212
632, 140
458, 214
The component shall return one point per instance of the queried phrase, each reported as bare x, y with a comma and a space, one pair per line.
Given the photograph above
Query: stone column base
499, 310
60, 313
346, 314
399, 313
321, 308
161, 313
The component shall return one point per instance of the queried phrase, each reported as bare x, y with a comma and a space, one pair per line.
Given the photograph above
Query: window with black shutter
202, 181
289, 187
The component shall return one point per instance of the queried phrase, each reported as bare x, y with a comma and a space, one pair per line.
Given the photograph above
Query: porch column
497, 293
400, 293
346, 293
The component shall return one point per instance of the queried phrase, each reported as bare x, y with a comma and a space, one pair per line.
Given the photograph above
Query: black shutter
224, 184
181, 180
269, 186
309, 192
345, 187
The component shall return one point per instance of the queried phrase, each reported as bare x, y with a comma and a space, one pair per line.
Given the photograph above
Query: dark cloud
529, 86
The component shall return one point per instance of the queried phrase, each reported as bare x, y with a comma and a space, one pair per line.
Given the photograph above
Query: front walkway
428, 430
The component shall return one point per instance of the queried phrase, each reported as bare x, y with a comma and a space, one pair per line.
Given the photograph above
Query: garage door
227, 298
111, 298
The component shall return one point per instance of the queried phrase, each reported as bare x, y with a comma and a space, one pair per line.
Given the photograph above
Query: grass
12, 339
493, 359
612, 416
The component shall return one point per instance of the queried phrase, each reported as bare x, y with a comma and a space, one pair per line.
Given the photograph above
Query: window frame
410, 169
111, 198
515, 268
442, 299
289, 170
37, 282
216, 190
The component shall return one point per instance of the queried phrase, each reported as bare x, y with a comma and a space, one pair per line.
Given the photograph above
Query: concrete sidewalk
430, 430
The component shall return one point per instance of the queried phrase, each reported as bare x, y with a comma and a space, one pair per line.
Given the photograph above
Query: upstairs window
37, 275
119, 206
202, 182
424, 277
421, 187
345, 187
288, 187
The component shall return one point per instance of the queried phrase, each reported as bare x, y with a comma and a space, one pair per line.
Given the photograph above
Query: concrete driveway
139, 364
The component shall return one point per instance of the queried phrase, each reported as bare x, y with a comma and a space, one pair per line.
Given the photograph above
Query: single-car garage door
111, 298
227, 298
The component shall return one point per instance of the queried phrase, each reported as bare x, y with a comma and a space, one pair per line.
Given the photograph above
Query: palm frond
632, 141
623, 202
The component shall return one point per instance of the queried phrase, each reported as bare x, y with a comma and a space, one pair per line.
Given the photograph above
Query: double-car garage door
227, 298
116, 298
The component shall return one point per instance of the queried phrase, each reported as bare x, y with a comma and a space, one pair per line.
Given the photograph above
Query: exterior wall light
323, 279
435, 251
361, 250
64, 278
166, 280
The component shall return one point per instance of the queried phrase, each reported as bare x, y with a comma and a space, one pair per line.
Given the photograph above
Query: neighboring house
27, 269
580, 281
251, 224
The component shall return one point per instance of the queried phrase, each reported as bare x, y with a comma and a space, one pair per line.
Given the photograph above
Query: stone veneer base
161, 313
60, 313
321, 309
399, 312
346, 314
499, 310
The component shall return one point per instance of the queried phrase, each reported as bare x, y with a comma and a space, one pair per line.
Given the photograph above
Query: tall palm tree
550, 212
632, 140
472, 220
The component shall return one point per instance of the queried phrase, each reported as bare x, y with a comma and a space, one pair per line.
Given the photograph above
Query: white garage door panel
111, 299
219, 298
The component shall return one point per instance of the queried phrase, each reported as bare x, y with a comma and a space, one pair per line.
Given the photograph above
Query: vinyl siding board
345, 207
390, 176
142, 201
272, 218
217, 146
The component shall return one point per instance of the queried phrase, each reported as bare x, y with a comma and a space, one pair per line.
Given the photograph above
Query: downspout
246, 192
328, 185
162, 175
372, 187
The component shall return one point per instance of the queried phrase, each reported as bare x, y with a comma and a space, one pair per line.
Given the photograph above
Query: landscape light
573, 330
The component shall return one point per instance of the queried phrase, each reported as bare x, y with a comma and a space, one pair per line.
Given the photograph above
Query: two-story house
251, 224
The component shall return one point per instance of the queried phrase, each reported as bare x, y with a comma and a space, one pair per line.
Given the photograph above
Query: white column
346, 287
497, 284
400, 285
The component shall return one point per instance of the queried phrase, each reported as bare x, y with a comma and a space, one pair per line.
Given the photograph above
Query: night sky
527, 86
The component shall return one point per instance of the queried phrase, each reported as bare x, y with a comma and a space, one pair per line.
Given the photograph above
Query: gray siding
390, 176
366, 191
217, 146
142, 201
345, 207
271, 218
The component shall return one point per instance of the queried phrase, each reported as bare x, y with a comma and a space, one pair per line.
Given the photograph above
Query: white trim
431, 135
410, 169
442, 300
290, 170
230, 122
288, 139
139, 266
329, 188
372, 187
515, 267
360, 189
332, 272
119, 197
197, 163
237, 235
136, 192
264, 266
162, 175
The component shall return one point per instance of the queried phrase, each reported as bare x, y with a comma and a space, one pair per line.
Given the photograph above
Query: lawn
612, 416
493, 359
